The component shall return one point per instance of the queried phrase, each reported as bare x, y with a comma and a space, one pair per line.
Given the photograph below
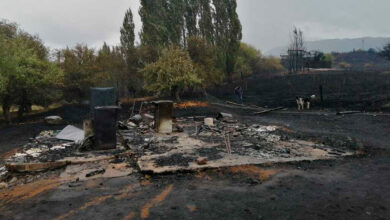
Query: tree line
190, 43
184, 45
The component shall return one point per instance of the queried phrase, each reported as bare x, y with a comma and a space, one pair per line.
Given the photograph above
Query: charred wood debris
190, 143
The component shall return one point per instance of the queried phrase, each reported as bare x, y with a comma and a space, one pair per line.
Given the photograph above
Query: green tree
27, 77
171, 73
112, 67
191, 17
269, 66
206, 25
235, 36
154, 19
147, 54
80, 72
228, 34
128, 78
127, 32
203, 54
247, 58
328, 57
175, 22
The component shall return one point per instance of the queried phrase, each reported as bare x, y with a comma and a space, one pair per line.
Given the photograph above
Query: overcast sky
266, 23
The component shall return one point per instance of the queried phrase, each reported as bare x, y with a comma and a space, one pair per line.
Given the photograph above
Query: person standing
239, 92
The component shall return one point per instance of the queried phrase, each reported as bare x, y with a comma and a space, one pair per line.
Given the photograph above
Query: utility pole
322, 97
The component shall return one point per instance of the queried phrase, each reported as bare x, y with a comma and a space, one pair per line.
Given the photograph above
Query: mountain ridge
338, 45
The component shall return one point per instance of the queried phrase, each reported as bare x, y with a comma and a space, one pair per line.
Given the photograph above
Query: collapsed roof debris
3, 172
183, 144
44, 148
250, 144
71, 133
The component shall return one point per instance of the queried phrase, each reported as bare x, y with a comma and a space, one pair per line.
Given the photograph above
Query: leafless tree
296, 51
297, 40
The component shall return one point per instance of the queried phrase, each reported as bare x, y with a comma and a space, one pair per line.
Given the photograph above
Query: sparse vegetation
344, 65
359, 58
247, 59
268, 66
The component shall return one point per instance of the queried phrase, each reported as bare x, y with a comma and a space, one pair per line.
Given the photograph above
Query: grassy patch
35, 109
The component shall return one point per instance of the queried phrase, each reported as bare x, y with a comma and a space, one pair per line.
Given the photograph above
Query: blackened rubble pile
72, 145
44, 148
211, 143
47, 152
153, 141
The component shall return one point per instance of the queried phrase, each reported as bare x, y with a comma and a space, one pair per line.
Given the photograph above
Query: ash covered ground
353, 187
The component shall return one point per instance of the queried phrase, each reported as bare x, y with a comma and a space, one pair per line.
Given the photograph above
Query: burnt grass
337, 142
174, 160
350, 188
342, 90
210, 153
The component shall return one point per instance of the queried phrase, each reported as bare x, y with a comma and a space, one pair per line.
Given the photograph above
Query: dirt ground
351, 188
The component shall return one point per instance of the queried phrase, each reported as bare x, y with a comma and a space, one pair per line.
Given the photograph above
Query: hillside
338, 45
362, 60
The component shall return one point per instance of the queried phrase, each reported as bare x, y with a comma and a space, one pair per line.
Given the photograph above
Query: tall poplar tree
128, 79
127, 31
154, 23
228, 34
191, 14
206, 25
235, 36
167, 22
175, 21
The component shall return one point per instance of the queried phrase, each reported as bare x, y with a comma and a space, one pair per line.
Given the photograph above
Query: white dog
303, 103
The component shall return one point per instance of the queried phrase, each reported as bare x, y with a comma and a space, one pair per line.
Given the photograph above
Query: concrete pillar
163, 116
88, 128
